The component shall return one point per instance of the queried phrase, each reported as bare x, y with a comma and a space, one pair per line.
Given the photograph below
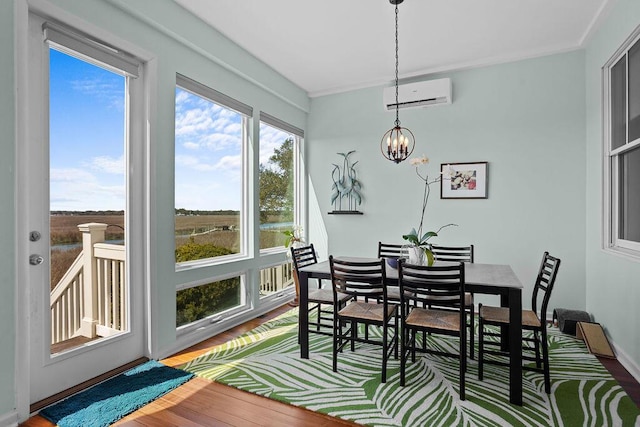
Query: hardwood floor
200, 402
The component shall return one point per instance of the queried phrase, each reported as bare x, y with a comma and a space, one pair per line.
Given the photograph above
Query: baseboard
628, 363
10, 419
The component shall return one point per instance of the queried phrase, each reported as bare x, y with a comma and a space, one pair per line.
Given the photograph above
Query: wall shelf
345, 213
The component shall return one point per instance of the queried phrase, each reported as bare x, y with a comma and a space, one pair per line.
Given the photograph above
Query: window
622, 148
206, 300
279, 186
210, 141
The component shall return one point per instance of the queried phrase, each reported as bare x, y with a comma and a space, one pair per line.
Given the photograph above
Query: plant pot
418, 255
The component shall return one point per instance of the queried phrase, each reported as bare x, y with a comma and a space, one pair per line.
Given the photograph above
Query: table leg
515, 346
504, 330
303, 314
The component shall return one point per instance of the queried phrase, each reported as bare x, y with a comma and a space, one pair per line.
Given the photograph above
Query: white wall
613, 283
525, 118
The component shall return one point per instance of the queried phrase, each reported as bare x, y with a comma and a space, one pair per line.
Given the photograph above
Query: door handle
35, 259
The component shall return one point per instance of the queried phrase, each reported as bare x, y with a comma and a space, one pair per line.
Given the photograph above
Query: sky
87, 145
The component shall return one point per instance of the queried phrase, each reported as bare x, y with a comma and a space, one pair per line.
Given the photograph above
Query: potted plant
419, 247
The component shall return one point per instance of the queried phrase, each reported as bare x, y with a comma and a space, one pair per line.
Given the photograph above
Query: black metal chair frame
362, 280
303, 256
460, 254
544, 283
418, 286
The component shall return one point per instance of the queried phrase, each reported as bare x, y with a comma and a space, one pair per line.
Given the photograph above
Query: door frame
139, 196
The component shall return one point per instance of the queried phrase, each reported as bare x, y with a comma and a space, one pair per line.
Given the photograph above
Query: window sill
625, 253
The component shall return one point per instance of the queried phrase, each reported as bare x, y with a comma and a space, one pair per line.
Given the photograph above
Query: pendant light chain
397, 113
397, 143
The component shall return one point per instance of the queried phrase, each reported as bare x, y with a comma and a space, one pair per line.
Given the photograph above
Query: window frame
611, 157
297, 172
246, 113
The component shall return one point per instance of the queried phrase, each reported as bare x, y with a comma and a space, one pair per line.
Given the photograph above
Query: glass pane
276, 185
206, 300
208, 178
634, 92
87, 184
629, 195
619, 104
275, 279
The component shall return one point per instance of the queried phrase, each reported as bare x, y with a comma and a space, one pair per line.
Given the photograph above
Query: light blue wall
613, 283
525, 118
7, 224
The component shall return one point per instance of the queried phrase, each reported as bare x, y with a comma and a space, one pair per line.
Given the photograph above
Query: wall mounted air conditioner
420, 94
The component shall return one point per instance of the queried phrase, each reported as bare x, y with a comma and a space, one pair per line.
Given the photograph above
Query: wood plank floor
200, 402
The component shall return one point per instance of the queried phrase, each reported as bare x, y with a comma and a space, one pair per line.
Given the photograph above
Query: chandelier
397, 143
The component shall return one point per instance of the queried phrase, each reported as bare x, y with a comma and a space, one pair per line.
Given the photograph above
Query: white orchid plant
295, 235
416, 237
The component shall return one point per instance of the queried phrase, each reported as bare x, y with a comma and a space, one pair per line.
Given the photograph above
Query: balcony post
92, 233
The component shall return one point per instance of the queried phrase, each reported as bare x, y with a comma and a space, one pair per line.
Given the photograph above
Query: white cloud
71, 175
108, 164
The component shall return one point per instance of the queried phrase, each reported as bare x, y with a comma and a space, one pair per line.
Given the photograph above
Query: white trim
22, 373
596, 22
626, 361
10, 419
461, 66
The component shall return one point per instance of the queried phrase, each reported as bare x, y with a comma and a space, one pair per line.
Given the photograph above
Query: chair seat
501, 315
439, 319
366, 311
325, 296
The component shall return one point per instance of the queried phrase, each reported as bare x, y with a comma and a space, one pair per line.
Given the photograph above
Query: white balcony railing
91, 299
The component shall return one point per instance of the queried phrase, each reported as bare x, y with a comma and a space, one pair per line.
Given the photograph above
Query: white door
83, 154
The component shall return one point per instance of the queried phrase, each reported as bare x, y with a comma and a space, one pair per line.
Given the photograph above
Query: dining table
493, 279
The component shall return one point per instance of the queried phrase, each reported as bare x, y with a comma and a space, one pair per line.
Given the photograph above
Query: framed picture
463, 180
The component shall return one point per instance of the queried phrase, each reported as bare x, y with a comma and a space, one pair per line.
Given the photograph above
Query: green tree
276, 183
202, 301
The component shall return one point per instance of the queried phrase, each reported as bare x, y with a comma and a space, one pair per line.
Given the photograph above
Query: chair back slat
443, 285
544, 285
453, 253
303, 256
358, 278
390, 250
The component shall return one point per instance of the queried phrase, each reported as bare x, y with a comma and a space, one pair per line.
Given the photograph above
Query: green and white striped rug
266, 361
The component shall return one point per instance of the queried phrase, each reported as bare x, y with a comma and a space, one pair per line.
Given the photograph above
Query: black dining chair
534, 321
360, 280
320, 299
460, 254
393, 252
419, 287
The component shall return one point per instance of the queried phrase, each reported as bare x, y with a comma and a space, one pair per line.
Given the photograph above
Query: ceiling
330, 46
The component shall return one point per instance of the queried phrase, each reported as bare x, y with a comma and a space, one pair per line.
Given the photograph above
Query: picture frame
464, 180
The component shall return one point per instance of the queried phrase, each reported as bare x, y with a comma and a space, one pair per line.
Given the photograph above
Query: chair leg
395, 345
536, 348
319, 318
480, 346
545, 356
403, 354
336, 334
471, 333
354, 335
385, 339
463, 361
